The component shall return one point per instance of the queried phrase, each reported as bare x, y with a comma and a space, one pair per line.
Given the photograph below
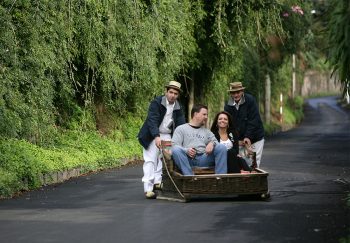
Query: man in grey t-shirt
195, 145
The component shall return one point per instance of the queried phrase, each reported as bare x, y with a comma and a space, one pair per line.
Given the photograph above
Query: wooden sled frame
177, 187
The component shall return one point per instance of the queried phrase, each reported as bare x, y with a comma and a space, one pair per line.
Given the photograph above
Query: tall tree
339, 40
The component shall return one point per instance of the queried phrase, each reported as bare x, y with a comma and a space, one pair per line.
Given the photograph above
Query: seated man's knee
176, 150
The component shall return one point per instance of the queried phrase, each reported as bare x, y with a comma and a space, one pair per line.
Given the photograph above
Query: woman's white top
227, 143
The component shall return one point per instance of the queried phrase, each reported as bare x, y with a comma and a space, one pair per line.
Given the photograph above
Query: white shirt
165, 126
228, 144
240, 102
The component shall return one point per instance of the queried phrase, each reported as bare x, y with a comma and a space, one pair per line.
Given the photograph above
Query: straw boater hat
236, 86
174, 85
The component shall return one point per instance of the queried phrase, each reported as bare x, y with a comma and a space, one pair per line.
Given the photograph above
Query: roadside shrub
9, 183
296, 108
22, 163
271, 128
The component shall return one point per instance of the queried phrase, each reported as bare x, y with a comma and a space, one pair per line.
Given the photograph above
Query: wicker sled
177, 187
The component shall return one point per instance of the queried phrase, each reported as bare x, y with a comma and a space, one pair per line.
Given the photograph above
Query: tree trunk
267, 99
191, 99
293, 76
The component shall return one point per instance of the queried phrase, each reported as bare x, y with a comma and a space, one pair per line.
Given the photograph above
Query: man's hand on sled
248, 145
247, 142
158, 142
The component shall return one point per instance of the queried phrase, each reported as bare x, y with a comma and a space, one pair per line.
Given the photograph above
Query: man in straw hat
245, 113
164, 115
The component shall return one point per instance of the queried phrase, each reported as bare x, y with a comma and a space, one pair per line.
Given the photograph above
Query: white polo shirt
165, 126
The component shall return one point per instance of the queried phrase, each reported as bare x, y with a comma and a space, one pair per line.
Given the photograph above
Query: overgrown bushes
22, 162
57, 56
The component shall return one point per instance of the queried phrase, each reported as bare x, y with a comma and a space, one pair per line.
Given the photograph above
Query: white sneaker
158, 187
150, 195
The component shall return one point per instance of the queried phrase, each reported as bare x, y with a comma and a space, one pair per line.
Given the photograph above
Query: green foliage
339, 40
130, 126
317, 61
22, 163
293, 111
345, 239
58, 60
296, 23
26, 71
288, 116
253, 78
19, 159
9, 183
282, 80
231, 33
271, 128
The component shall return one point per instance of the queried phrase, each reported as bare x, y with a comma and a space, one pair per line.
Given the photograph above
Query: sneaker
157, 187
150, 195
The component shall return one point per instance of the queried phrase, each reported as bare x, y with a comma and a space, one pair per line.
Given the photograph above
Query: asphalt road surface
309, 179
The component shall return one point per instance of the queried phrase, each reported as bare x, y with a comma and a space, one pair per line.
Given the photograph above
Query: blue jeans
217, 158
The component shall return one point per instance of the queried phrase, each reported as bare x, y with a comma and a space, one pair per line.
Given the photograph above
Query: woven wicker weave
175, 185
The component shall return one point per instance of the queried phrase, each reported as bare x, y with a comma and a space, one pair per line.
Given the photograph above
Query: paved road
309, 179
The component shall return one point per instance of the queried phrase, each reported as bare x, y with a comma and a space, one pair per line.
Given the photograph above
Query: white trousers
152, 166
258, 147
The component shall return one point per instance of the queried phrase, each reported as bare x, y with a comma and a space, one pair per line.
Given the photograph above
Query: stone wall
316, 82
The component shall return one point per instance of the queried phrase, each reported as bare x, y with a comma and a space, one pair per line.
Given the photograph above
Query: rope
171, 178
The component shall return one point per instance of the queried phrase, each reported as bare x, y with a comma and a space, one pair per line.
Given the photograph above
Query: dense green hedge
60, 58
22, 162
339, 41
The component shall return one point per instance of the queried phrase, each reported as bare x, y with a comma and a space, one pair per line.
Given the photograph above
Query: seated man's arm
211, 144
179, 152
178, 138
178, 141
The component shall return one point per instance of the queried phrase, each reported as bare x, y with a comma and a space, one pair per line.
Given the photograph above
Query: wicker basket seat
205, 182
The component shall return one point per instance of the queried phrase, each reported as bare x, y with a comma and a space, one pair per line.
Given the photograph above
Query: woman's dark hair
231, 125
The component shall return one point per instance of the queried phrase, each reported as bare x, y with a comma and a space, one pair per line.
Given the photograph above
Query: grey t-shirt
187, 137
